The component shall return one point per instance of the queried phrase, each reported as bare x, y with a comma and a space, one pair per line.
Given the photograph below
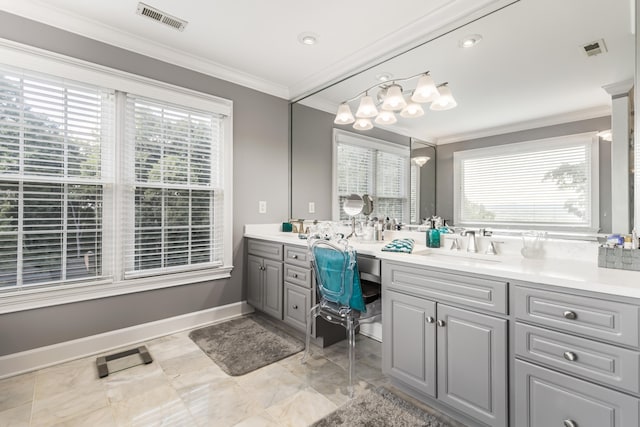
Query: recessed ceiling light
308, 38
384, 77
470, 41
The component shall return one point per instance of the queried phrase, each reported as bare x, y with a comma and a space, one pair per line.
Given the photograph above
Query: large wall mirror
541, 69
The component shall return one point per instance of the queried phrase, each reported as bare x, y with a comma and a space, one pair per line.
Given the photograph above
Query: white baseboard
38, 358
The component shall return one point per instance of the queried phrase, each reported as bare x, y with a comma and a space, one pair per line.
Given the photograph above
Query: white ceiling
527, 72
255, 42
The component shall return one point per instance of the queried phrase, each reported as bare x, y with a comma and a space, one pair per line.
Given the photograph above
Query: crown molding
574, 116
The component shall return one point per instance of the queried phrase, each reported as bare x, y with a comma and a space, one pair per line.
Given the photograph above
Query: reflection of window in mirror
545, 184
365, 165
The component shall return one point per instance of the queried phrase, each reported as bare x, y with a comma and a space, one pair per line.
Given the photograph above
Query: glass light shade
445, 101
363, 124
412, 110
386, 118
394, 101
367, 108
344, 116
421, 160
426, 90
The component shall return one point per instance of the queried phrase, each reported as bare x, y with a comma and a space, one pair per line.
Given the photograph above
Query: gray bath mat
379, 408
245, 344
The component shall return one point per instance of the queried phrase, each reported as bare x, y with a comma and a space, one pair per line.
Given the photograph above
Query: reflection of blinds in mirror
546, 183
380, 169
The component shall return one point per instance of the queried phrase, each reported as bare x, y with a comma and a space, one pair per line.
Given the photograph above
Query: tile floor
183, 387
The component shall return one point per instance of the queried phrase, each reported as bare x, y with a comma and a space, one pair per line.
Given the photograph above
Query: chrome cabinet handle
570, 356
295, 307
441, 323
295, 275
571, 315
570, 423
295, 257
430, 319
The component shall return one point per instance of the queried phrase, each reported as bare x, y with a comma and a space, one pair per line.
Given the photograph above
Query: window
176, 176
107, 178
365, 165
54, 137
545, 184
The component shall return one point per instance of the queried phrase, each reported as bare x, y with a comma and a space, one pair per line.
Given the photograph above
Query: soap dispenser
433, 233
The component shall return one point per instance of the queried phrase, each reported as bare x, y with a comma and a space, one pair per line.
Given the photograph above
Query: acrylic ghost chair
339, 291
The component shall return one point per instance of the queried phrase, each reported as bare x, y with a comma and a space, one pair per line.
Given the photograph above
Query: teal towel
329, 265
399, 245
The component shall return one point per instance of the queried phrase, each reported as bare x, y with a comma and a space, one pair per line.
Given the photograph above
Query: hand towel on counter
399, 245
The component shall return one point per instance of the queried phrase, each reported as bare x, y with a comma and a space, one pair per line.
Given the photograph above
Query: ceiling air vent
595, 48
160, 16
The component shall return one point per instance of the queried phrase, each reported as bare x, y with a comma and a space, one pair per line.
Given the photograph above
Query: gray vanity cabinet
453, 354
409, 340
298, 286
264, 277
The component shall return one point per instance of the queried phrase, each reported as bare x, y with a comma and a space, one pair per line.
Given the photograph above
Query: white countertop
565, 273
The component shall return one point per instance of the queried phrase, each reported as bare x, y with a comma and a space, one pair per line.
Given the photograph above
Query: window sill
63, 294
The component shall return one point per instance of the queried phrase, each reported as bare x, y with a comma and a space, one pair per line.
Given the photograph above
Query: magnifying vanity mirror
352, 206
538, 70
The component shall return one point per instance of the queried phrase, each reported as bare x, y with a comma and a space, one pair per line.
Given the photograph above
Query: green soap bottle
433, 236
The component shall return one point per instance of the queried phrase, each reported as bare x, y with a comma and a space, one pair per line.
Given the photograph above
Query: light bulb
367, 108
344, 116
445, 101
426, 90
394, 101
412, 110
363, 124
386, 118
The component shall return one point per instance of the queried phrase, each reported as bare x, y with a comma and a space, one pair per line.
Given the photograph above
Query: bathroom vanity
506, 341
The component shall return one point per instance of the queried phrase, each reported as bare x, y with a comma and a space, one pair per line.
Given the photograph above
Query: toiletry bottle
433, 236
634, 239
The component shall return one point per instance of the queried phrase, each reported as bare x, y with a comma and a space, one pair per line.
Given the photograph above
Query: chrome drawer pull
441, 323
570, 356
430, 319
295, 307
570, 423
571, 315
295, 257
295, 275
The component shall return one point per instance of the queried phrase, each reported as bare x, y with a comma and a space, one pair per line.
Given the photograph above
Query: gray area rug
242, 345
379, 408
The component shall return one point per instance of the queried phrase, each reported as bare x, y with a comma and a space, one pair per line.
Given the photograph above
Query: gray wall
444, 175
260, 170
311, 162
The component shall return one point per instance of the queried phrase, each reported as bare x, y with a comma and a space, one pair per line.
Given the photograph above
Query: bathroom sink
439, 253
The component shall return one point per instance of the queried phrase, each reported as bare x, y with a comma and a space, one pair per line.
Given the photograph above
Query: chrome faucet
471, 242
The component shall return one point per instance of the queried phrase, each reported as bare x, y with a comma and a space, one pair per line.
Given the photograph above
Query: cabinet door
254, 281
272, 288
408, 340
547, 398
472, 364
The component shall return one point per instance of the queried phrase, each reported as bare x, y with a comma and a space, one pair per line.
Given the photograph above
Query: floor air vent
161, 17
595, 48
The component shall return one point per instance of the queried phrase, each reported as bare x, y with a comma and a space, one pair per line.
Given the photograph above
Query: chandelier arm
381, 85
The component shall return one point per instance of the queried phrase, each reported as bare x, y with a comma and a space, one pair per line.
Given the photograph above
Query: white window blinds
175, 155
55, 138
374, 167
537, 184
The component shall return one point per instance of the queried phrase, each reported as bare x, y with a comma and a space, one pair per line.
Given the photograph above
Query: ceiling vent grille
595, 48
161, 17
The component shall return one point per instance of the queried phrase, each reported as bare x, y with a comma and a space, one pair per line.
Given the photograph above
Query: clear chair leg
351, 343
310, 318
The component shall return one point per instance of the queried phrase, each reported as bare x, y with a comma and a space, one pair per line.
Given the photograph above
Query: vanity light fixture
420, 160
392, 98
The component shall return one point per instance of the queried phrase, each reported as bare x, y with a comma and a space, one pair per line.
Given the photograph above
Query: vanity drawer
593, 317
297, 255
546, 398
297, 275
265, 249
297, 303
604, 363
474, 291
